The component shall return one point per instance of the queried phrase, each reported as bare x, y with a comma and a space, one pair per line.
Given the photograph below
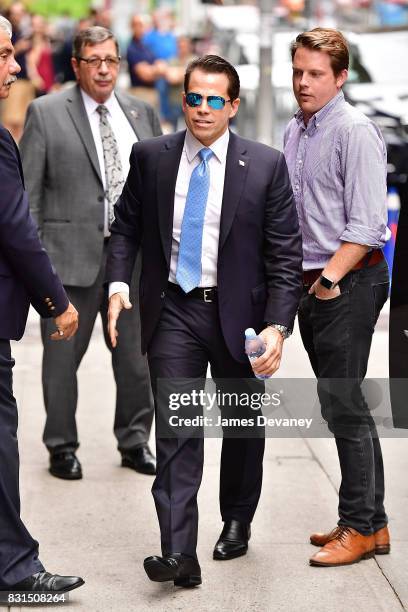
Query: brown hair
327, 40
215, 63
91, 36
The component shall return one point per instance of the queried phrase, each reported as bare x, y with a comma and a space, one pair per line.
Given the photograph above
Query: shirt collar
192, 146
91, 105
318, 117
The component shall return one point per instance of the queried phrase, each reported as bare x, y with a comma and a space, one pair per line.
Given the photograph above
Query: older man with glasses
75, 149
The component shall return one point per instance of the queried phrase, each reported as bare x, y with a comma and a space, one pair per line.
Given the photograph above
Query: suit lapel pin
134, 114
241, 163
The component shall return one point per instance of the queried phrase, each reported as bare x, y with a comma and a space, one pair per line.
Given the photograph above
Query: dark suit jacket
26, 273
259, 265
64, 180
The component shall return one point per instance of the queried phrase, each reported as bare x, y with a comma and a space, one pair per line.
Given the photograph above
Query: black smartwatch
327, 283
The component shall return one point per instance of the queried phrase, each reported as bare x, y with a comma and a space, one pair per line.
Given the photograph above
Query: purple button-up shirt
338, 168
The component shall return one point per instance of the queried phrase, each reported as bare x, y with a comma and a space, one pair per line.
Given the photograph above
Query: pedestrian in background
75, 150
161, 41
174, 75
337, 162
144, 68
40, 66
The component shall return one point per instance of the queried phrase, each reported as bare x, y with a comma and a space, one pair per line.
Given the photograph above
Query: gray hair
92, 36
5, 25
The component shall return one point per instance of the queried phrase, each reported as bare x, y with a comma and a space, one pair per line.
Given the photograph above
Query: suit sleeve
33, 154
282, 249
19, 242
127, 229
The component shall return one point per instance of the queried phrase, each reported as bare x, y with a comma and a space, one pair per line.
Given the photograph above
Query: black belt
205, 294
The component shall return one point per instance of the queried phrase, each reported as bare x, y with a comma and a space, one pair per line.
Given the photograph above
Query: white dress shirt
211, 231
124, 134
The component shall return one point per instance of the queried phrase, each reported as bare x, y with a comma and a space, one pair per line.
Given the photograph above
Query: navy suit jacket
259, 267
26, 274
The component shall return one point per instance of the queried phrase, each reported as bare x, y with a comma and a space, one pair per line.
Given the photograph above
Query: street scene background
103, 526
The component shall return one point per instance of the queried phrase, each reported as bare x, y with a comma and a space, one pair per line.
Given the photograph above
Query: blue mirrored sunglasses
215, 102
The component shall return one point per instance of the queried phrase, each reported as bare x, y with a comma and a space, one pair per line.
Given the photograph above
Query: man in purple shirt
337, 162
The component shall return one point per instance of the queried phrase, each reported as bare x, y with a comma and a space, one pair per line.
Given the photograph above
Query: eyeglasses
215, 102
96, 62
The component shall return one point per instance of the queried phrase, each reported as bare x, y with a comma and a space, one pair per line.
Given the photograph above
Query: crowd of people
155, 60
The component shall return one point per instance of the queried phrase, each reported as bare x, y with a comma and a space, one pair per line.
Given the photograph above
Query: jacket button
100, 198
52, 307
162, 295
100, 227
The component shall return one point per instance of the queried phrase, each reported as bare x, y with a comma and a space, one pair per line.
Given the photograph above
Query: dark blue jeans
337, 335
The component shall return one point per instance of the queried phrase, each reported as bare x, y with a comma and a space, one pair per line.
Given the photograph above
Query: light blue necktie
188, 273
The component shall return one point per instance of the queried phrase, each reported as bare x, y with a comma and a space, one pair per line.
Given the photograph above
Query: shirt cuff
367, 236
118, 287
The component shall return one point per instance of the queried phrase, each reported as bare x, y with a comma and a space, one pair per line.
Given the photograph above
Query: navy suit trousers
187, 339
18, 550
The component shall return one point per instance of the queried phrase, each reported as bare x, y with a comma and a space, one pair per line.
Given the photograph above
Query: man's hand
117, 301
268, 363
67, 324
322, 293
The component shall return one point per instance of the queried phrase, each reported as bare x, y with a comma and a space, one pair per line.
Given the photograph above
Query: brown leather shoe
382, 539
347, 547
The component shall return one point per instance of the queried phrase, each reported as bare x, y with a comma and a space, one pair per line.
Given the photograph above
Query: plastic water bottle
254, 347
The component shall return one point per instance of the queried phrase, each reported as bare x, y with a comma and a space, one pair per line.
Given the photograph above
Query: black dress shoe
45, 582
65, 465
233, 541
139, 459
184, 570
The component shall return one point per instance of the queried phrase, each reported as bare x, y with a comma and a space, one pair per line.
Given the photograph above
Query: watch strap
284, 331
327, 283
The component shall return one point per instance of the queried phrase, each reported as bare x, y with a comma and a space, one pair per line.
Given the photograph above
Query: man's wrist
327, 283
284, 331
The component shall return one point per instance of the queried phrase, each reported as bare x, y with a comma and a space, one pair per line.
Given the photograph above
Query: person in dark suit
75, 150
215, 219
26, 275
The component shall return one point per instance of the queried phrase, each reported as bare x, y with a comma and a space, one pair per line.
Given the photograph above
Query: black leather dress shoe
184, 570
65, 465
233, 541
42, 582
139, 459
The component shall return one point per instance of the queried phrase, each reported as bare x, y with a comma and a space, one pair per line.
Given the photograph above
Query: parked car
379, 86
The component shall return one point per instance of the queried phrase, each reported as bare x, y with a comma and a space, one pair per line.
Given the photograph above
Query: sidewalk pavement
104, 525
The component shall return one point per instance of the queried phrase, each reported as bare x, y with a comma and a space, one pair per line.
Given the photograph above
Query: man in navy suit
26, 275
215, 219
